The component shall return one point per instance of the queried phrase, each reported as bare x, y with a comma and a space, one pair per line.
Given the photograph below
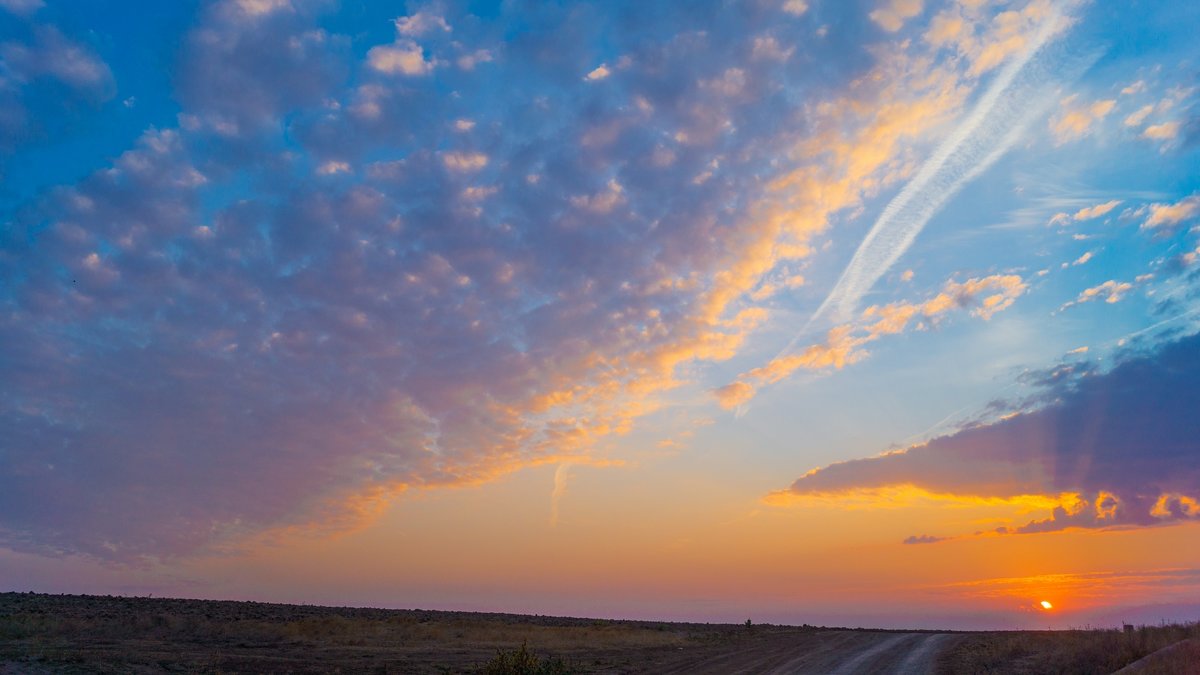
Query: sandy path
873, 657
922, 656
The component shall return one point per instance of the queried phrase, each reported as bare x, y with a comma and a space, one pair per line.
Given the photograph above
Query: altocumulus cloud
38, 62
284, 310
332, 280
1121, 445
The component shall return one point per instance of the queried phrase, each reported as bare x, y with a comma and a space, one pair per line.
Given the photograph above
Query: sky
872, 313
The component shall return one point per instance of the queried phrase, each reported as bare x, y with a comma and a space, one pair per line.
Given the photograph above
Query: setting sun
1046, 605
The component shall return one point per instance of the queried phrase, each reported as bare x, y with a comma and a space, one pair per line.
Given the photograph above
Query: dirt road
837, 652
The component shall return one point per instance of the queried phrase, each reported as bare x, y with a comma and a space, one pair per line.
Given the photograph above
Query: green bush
523, 662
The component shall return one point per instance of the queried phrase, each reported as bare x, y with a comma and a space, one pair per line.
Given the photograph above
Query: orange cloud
839, 349
1138, 116
984, 297
985, 42
1077, 120
1169, 215
1096, 211
464, 162
405, 57
995, 294
1086, 213
1167, 131
795, 7
734, 394
1112, 291
907, 495
892, 14
851, 147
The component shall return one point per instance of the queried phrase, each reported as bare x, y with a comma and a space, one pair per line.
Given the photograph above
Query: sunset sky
843, 312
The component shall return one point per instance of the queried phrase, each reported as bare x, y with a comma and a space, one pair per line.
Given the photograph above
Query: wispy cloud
562, 474
983, 297
1017, 95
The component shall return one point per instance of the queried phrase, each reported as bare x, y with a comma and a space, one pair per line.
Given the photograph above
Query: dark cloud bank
1127, 441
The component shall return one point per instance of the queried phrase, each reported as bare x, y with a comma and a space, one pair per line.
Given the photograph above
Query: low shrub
523, 662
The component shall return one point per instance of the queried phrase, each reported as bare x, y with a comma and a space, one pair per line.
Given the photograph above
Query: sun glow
1046, 605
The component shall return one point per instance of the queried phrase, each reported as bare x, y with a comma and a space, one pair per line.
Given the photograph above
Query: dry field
1175, 650
71, 633
95, 634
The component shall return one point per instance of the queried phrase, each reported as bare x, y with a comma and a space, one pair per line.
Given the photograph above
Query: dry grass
107, 634
449, 628
1060, 652
1181, 658
89, 634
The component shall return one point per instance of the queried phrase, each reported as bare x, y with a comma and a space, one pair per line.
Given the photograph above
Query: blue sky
278, 270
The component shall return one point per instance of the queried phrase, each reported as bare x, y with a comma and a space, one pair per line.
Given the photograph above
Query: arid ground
86, 634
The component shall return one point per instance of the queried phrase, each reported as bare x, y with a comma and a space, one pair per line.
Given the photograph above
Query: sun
1046, 605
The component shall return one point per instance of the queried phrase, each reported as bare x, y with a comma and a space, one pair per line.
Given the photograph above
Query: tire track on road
862, 661
921, 659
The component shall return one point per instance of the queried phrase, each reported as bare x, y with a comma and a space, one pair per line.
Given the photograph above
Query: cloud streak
562, 475
1015, 97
